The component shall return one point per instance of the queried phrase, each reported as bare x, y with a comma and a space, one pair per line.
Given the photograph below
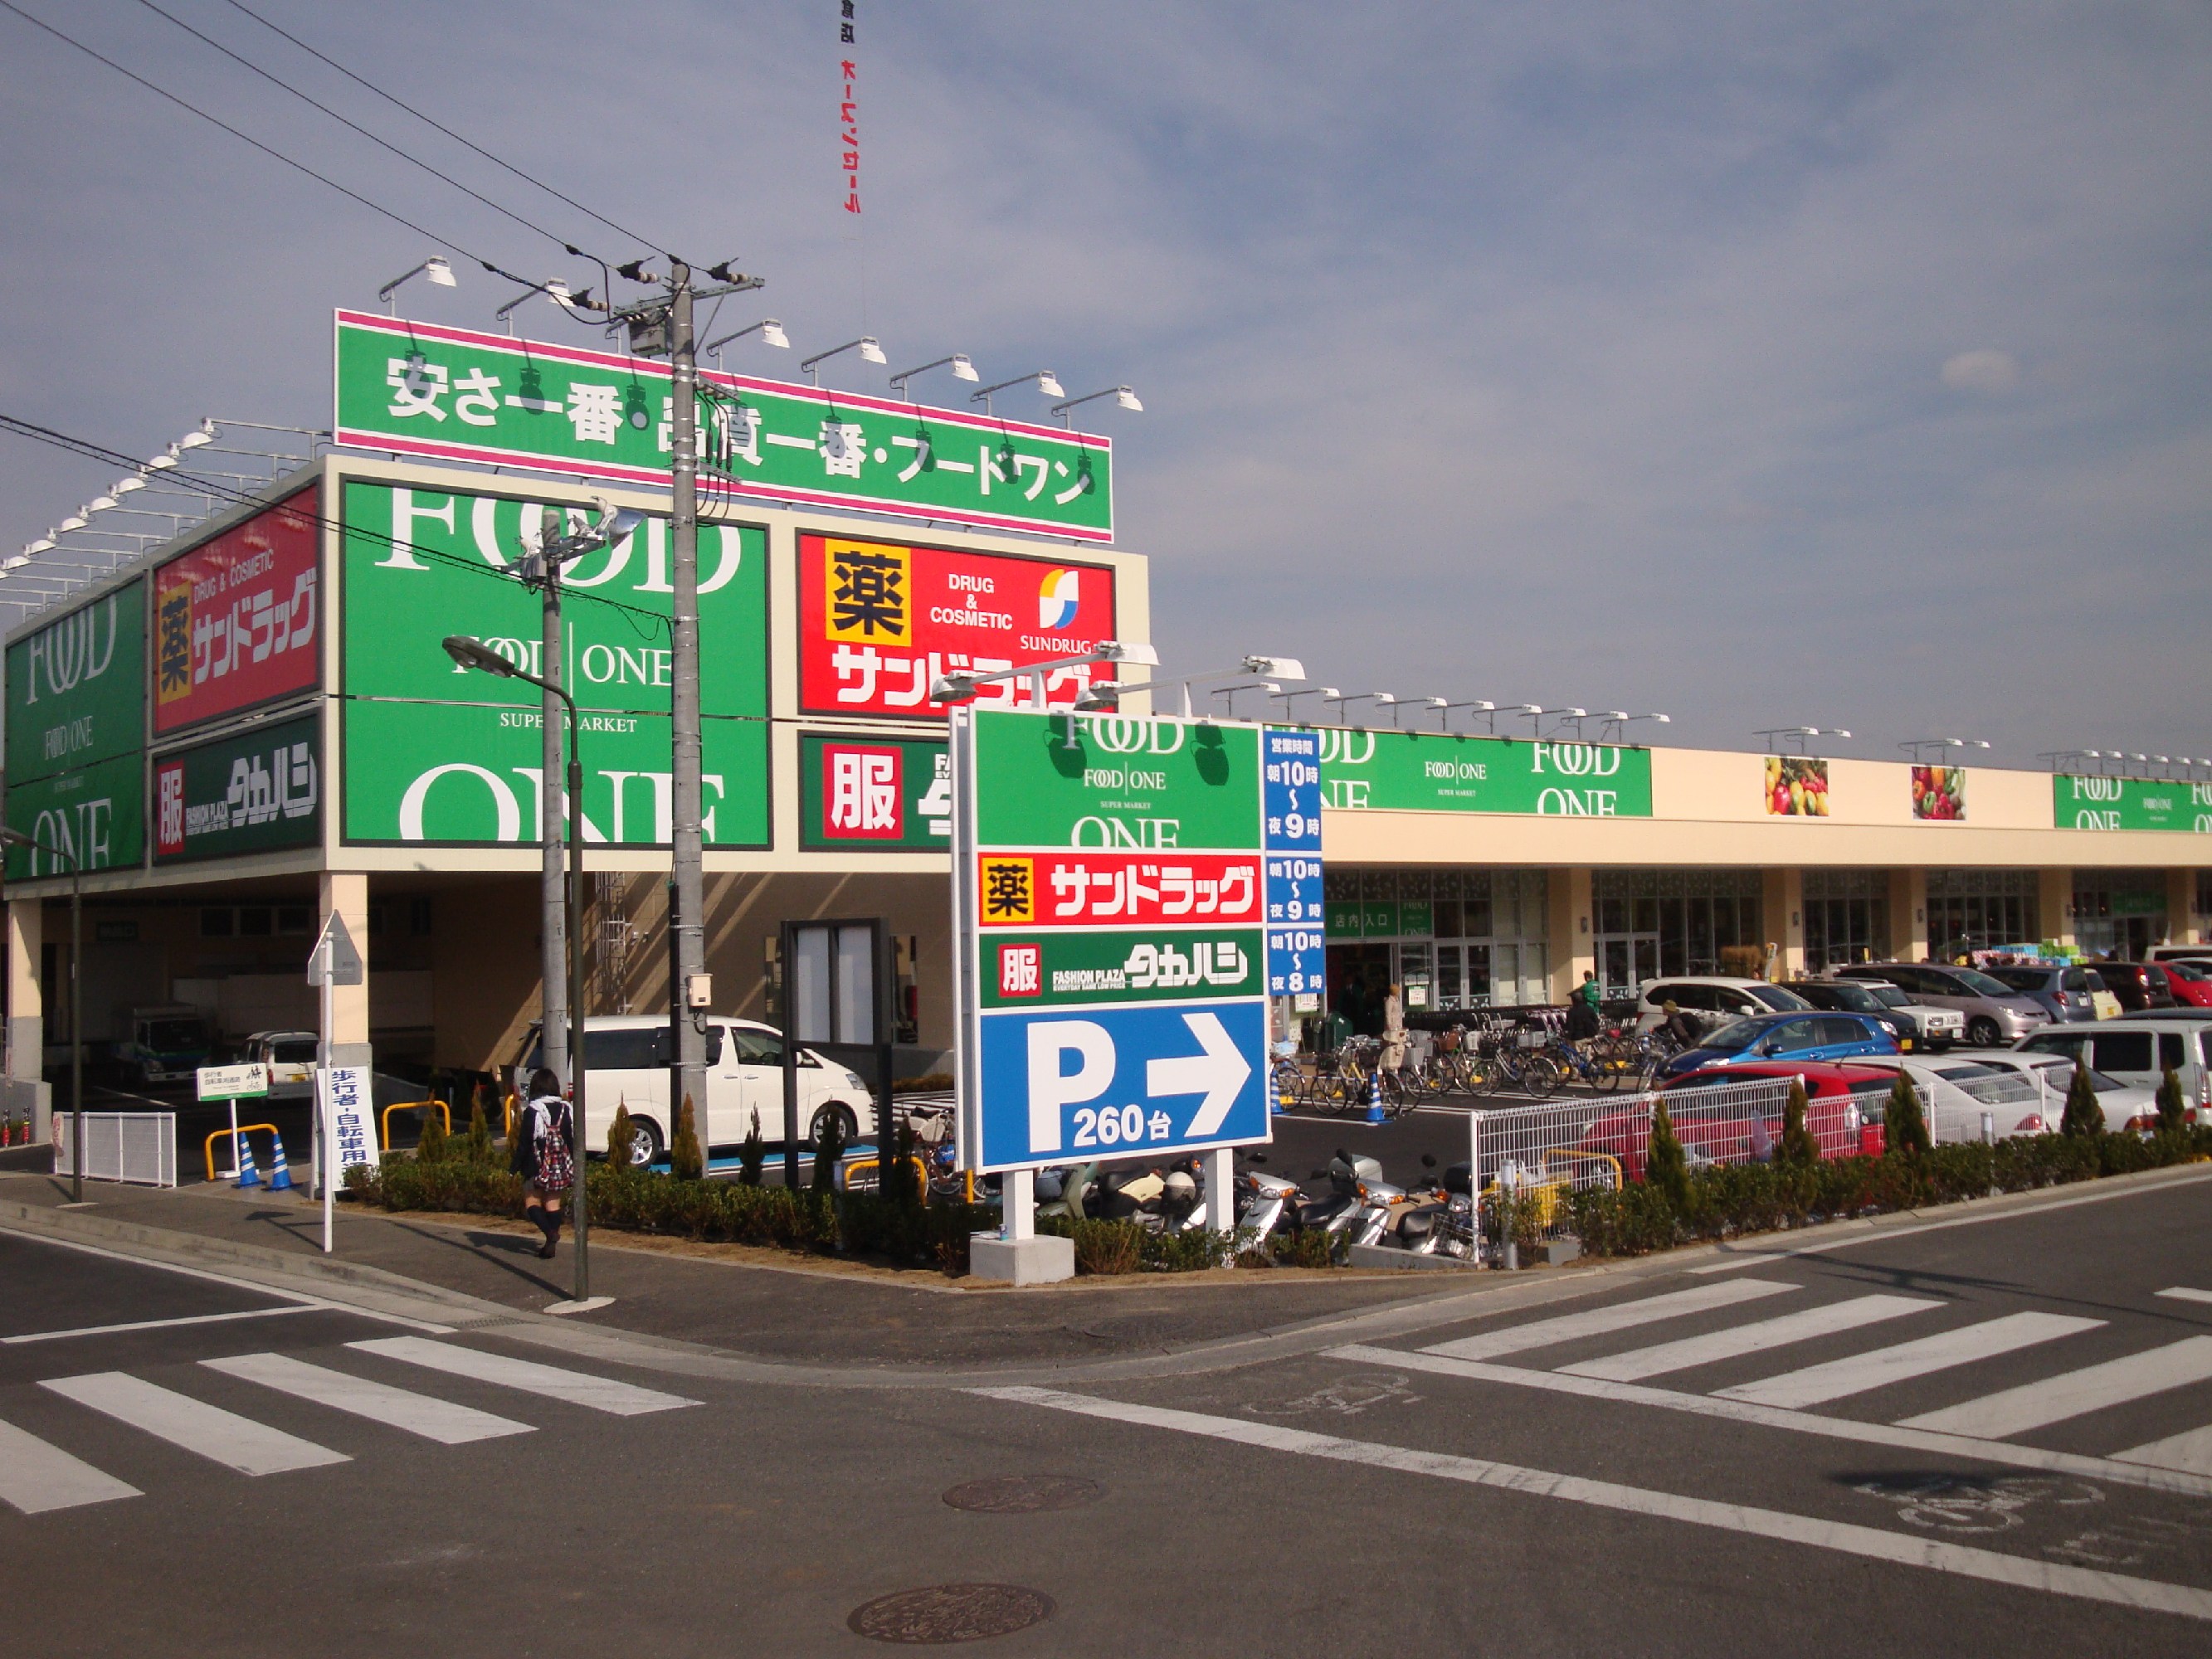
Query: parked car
2191, 985
1996, 1014
1809, 1035
2199, 954
2062, 991
1716, 998
627, 1057
1957, 1090
2127, 1106
2140, 1049
1842, 1111
2140, 986
290, 1058
2101, 994
1915, 1028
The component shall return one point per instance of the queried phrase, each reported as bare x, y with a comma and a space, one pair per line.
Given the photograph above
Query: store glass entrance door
1627, 965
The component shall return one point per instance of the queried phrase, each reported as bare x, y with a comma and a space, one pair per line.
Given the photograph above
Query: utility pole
552, 910
687, 932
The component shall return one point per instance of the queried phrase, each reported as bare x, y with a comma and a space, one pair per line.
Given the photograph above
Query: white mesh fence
139, 1147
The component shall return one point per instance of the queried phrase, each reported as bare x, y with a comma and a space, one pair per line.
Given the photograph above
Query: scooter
1342, 1210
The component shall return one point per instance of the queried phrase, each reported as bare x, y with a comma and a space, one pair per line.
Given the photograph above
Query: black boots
549, 1222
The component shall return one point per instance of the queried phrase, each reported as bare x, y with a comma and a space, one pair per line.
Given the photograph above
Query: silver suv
1995, 1013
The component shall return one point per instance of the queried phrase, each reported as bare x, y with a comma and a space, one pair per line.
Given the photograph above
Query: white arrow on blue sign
1163, 1079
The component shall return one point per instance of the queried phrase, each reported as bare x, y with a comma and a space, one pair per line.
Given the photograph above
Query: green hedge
1750, 1197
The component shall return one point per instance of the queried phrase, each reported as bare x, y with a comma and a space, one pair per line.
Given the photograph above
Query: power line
276, 81
433, 121
298, 166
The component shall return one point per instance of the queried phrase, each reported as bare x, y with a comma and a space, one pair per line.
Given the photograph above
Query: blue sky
1760, 364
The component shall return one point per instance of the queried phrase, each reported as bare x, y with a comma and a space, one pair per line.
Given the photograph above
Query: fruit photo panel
1796, 787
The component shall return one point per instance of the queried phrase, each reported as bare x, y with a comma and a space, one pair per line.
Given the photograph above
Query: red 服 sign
238, 621
879, 622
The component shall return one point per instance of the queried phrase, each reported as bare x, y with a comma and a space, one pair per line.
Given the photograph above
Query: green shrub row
1723, 1202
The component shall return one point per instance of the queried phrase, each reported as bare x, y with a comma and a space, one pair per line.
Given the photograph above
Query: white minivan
627, 1057
2140, 1049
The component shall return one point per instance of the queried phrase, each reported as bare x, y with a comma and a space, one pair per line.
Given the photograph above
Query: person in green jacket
1582, 1008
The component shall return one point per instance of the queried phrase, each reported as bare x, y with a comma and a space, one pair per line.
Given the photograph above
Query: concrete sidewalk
760, 1303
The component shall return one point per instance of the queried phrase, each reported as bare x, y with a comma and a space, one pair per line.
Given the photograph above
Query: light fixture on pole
1381, 699
18, 838
1438, 703
1324, 692
1123, 397
1615, 720
866, 345
553, 289
962, 688
1042, 379
1567, 714
769, 330
1480, 706
1228, 692
1933, 751
435, 269
470, 653
1775, 734
1272, 668
958, 362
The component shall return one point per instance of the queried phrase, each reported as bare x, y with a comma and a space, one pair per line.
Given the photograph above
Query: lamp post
17, 838
468, 653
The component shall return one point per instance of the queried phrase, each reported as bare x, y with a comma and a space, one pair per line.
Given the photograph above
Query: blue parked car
1823, 1035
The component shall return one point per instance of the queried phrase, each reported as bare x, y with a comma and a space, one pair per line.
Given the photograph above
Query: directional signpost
234, 1084
1109, 898
345, 1108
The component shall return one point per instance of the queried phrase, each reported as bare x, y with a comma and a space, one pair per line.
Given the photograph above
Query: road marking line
2031, 1404
1756, 1337
601, 1393
222, 1436
440, 1421
1817, 1384
35, 1477
2183, 1293
156, 1324
2191, 1451
1602, 1322
1867, 1542
1773, 1417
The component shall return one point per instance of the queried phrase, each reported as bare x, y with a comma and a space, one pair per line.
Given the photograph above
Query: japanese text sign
1107, 897
2093, 803
237, 620
348, 1114
1296, 951
416, 389
874, 794
878, 622
249, 793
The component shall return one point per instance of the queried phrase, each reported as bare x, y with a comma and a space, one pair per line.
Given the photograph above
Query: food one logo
1021, 970
1059, 598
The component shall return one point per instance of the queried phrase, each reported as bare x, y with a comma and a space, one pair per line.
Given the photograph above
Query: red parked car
1843, 1109
2190, 985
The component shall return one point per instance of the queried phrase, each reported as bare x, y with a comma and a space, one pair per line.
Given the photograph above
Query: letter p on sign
1050, 1087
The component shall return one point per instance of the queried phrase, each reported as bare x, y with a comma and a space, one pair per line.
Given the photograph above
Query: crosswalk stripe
1740, 1340
1816, 1384
2185, 1294
35, 1477
1600, 1321
2031, 1404
601, 1393
441, 1420
2190, 1452
222, 1436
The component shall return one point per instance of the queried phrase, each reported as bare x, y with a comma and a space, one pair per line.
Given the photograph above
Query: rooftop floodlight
1123, 397
1230, 692
1380, 698
42, 545
1324, 692
98, 504
1564, 713
958, 362
469, 653
1478, 705
202, 434
162, 462
1103, 694
75, 521
866, 345
1042, 378
962, 688
434, 268
1439, 704
1928, 750
557, 292
769, 330
1615, 720
126, 485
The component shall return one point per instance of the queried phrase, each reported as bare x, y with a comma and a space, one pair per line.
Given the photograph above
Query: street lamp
1123, 397
469, 653
17, 838
866, 345
434, 268
1042, 379
769, 330
958, 362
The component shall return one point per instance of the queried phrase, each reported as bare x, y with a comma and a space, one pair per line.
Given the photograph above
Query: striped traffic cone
280, 1177
249, 1173
1375, 1097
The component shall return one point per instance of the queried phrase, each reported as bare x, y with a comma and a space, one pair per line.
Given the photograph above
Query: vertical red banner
238, 620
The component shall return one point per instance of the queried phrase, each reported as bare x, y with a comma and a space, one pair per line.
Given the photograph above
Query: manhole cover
950, 1612
1023, 1494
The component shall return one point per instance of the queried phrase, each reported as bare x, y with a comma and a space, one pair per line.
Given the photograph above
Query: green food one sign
434, 753
76, 736
1433, 772
454, 394
2093, 803
1113, 781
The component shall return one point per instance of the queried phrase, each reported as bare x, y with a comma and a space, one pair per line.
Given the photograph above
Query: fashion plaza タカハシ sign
1108, 895
435, 753
449, 393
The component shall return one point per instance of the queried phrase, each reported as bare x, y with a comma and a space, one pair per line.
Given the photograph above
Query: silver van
2140, 1049
1995, 1013
627, 1056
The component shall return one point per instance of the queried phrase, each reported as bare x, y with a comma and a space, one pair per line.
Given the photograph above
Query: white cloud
1981, 371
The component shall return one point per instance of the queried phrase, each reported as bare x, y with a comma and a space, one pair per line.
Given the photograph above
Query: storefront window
1453, 939
2118, 913
1847, 917
1650, 922
1971, 910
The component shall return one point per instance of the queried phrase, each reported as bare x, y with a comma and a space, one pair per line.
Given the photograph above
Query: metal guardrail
138, 1148
413, 1106
239, 1154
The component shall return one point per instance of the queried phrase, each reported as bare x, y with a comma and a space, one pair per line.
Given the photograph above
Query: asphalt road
1721, 1471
